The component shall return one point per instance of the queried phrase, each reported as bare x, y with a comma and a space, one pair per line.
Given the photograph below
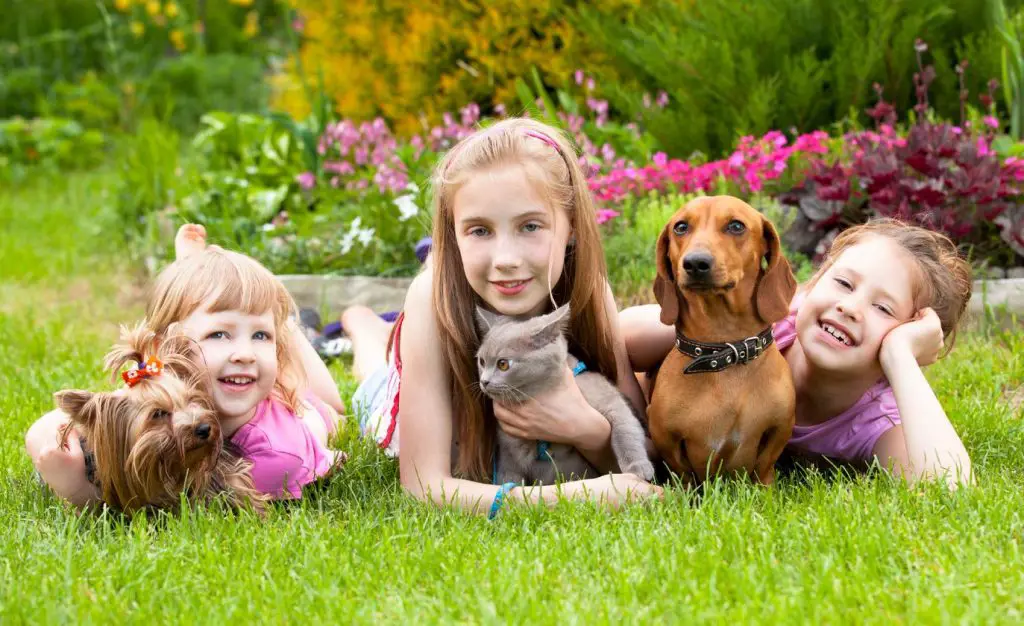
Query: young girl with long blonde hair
515, 232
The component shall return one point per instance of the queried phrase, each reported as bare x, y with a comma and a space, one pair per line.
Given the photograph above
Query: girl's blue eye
479, 231
220, 334
531, 227
262, 336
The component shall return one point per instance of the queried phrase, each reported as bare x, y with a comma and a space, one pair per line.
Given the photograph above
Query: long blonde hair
943, 275
551, 164
229, 281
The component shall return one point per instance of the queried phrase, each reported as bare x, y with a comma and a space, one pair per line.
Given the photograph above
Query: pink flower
306, 180
991, 121
578, 76
662, 100
605, 215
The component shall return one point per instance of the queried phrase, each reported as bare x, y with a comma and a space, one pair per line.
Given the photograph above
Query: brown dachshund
723, 398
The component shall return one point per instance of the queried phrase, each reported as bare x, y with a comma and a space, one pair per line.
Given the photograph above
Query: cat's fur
535, 352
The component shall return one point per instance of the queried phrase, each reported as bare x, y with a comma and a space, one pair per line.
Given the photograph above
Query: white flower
365, 236
406, 207
356, 233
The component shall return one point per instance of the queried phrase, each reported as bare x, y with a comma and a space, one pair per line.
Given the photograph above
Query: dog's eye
680, 228
502, 365
736, 227
159, 414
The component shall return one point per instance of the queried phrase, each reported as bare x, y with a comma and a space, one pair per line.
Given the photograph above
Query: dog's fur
737, 420
161, 438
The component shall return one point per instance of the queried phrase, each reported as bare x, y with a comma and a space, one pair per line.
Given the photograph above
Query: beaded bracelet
499, 497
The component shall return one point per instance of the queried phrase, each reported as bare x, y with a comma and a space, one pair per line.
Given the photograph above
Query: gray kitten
518, 360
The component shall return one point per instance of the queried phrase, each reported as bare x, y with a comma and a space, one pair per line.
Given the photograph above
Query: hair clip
152, 367
544, 138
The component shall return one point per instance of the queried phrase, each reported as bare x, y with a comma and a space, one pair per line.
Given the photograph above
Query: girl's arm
426, 419
646, 339
62, 469
924, 445
317, 377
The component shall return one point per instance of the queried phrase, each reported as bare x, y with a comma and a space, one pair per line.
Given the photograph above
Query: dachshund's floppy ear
665, 289
777, 285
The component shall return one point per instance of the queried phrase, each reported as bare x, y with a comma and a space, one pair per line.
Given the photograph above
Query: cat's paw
644, 469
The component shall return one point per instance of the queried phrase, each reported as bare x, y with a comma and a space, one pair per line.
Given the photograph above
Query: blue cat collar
499, 498
579, 369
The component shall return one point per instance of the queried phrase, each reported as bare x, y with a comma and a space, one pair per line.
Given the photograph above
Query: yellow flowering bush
399, 59
158, 22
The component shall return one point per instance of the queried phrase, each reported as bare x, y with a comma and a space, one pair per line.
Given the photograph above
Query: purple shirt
285, 454
851, 435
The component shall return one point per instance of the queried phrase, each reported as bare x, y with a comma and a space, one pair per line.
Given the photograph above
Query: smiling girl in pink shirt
275, 399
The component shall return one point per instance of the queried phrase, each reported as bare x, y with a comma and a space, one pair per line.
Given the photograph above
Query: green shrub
48, 143
734, 69
181, 89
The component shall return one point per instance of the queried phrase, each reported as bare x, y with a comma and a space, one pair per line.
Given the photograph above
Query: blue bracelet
498, 497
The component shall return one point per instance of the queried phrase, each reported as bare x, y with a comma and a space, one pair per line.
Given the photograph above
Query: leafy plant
732, 69
46, 143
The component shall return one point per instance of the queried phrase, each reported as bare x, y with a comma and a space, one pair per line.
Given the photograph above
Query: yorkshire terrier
158, 437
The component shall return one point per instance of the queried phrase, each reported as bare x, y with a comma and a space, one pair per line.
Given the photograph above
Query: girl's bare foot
191, 239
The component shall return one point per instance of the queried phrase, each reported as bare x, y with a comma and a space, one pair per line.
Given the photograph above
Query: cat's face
518, 359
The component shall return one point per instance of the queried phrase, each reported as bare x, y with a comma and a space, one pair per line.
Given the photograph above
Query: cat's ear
551, 326
485, 320
561, 316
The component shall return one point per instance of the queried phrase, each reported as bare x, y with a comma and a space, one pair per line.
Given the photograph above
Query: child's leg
191, 238
648, 341
369, 335
63, 469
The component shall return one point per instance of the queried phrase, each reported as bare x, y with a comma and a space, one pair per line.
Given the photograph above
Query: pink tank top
285, 454
850, 436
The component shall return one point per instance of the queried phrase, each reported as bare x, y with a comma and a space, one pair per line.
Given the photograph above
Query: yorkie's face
151, 441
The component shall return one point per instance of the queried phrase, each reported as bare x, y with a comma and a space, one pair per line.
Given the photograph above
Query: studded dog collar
715, 357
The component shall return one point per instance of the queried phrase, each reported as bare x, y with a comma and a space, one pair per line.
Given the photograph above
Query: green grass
809, 550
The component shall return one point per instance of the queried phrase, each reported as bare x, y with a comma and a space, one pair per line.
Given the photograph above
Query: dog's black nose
698, 265
203, 431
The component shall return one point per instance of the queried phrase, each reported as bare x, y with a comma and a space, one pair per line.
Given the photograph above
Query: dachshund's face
717, 246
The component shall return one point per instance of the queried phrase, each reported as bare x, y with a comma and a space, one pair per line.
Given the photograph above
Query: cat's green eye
502, 365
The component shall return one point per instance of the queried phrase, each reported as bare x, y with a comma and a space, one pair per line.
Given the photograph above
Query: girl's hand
561, 415
920, 336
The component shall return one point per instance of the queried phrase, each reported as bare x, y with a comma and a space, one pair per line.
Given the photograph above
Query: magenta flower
606, 215
991, 121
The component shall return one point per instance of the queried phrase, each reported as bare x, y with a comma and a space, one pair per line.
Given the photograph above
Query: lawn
809, 550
